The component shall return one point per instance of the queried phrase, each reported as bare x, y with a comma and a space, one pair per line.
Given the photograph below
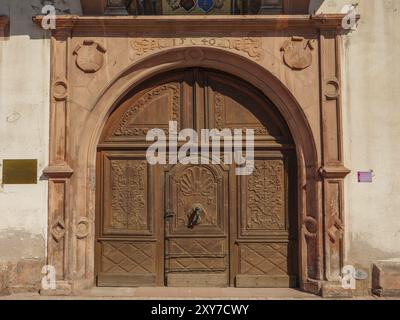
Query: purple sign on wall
365, 176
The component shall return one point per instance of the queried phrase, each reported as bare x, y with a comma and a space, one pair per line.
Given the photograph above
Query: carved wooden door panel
263, 215
130, 191
128, 247
197, 243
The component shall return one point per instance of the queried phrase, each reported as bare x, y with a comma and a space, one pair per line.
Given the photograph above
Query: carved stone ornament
311, 227
297, 53
89, 56
82, 228
194, 55
60, 89
58, 229
332, 89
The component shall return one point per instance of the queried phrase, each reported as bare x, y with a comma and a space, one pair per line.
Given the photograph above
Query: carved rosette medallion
89, 56
82, 228
60, 89
310, 227
332, 89
194, 55
297, 53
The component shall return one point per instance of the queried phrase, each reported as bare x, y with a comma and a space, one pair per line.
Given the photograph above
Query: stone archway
72, 169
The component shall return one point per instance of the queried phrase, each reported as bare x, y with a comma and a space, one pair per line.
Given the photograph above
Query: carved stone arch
309, 186
79, 259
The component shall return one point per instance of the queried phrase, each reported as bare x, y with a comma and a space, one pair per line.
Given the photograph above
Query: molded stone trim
202, 23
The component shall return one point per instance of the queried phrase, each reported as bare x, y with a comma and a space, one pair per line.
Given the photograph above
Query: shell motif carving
197, 181
197, 188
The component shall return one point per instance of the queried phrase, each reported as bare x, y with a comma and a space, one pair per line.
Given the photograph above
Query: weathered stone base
63, 288
21, 276
335, 290
386, 278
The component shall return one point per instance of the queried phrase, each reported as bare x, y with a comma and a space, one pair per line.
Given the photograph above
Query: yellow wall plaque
20, 171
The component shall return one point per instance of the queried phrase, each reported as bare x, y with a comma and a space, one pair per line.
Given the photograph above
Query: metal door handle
195, 217
168, 214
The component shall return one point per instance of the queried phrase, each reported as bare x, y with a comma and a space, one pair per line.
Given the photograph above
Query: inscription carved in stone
129, 205
266, 196
252, 47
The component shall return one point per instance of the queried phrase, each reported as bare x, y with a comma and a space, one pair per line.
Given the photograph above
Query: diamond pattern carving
128, 257
197, 254
263, 259
58, 229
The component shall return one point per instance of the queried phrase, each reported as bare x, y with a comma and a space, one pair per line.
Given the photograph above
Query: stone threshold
168, 293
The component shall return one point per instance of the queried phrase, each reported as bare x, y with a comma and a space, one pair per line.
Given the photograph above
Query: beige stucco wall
24, 123
372, 127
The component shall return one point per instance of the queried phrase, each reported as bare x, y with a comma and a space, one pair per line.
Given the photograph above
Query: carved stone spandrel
89, 56
297, 53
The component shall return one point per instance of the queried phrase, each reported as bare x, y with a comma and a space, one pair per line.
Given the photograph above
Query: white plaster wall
372, 128
371, 114
24, 126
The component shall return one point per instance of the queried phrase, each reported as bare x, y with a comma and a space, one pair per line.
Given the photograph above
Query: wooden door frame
72, 166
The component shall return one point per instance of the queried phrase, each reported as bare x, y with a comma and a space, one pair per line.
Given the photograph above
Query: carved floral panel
128, 195
265, 201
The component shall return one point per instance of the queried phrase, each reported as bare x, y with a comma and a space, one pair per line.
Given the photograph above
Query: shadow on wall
22, 11
315, 5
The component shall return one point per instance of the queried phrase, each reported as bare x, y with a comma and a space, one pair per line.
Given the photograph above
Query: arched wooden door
246, 233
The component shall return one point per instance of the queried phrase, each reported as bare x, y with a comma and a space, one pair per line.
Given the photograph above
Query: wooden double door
195, 224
